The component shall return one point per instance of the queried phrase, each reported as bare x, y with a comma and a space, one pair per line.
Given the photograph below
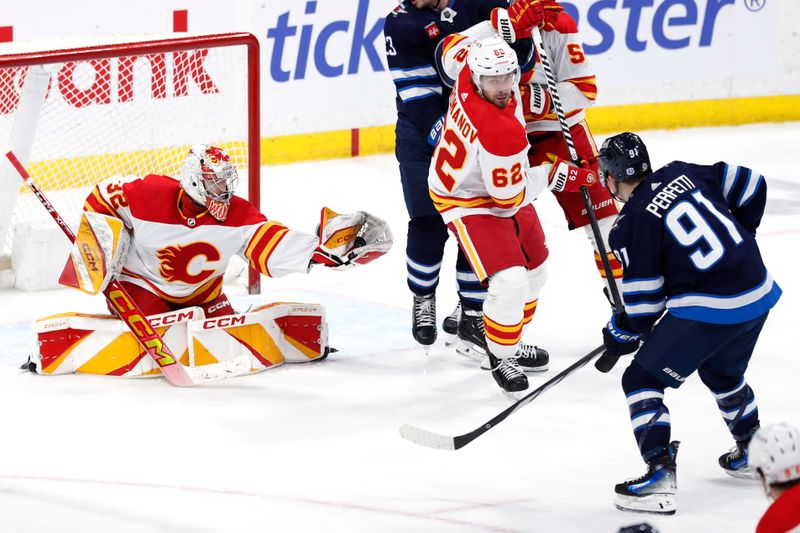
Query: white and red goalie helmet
209, 178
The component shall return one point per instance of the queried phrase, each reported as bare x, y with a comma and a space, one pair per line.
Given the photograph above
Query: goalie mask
494, 68
209, 178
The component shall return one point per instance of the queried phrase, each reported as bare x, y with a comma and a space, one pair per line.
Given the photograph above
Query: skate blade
652, 503
514, 396
470, 351
534, 369
743, 473
450, 339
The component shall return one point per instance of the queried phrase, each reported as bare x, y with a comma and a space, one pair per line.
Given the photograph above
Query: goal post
79, 110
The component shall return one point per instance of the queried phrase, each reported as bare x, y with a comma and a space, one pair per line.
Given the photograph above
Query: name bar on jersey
664, 198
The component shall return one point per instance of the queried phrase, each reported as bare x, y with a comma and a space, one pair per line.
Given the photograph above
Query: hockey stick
135, 319
605, 362
444, 442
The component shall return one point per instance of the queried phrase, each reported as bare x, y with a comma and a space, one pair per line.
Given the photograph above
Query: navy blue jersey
686, 239
411, 38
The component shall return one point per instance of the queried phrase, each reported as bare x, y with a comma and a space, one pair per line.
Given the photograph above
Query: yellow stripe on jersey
263, 256
510, 202
443, 203
450, 41
469, 248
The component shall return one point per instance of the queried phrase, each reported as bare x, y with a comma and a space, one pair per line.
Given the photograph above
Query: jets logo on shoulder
655, 185
464, 97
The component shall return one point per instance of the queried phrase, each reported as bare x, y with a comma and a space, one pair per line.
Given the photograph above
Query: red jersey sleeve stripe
96, 203
261, 237
450, 41
587, 85
264, 248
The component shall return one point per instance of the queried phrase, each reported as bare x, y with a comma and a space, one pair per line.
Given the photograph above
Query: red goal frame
179, 43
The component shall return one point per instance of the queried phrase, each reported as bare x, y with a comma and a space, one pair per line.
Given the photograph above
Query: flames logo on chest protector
175, 261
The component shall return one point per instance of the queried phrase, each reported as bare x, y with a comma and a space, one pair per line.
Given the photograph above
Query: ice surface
316, 447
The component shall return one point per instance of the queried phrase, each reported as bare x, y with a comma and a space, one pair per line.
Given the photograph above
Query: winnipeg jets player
696, 296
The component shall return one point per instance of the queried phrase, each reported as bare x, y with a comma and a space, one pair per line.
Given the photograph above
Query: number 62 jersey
480, 165
686, 240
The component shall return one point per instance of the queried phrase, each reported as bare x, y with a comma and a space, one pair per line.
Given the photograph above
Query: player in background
412, 32
577, 90
696, 292
184, 233
481, 183
774, 457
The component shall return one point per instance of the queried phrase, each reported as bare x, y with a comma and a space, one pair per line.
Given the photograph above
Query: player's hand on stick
536, 101
518, 20
350, 239
567, 177
617, 340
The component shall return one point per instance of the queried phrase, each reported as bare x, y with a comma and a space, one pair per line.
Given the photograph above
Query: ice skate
734, 463
508, 374
532, 358
529, 358
471, 336
654, 492
450, 326
423, 317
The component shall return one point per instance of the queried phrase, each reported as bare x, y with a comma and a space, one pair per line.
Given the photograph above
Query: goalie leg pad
102, 344
269, 335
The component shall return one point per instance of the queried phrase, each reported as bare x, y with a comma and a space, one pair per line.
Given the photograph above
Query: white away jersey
180, 252
480, 165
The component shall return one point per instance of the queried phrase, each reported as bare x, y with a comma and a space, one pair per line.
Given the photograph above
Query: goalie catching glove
518, 20
351, 239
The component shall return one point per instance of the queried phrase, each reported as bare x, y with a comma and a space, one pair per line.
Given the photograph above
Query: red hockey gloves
349, 240
519, 19
617, 340
536, 101
569, 178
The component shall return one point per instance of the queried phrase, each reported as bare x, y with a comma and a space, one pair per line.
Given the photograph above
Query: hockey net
77, 112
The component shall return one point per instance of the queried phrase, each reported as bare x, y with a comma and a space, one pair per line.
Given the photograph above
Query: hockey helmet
775, 452
492, 57
623, 156
210, 179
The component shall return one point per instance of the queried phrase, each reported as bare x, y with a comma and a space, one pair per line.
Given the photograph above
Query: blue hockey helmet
623, 156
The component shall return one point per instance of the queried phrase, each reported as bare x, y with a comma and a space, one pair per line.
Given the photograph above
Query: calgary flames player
185, 233
481, 183
168, 243
577, 90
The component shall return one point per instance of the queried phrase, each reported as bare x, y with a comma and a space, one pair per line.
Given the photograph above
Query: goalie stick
605, 362
135, 319
444, 442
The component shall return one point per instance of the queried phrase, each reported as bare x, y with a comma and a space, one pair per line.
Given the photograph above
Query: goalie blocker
267, 337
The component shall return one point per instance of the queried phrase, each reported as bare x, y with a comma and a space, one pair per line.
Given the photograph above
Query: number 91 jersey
480, 162
686, 240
